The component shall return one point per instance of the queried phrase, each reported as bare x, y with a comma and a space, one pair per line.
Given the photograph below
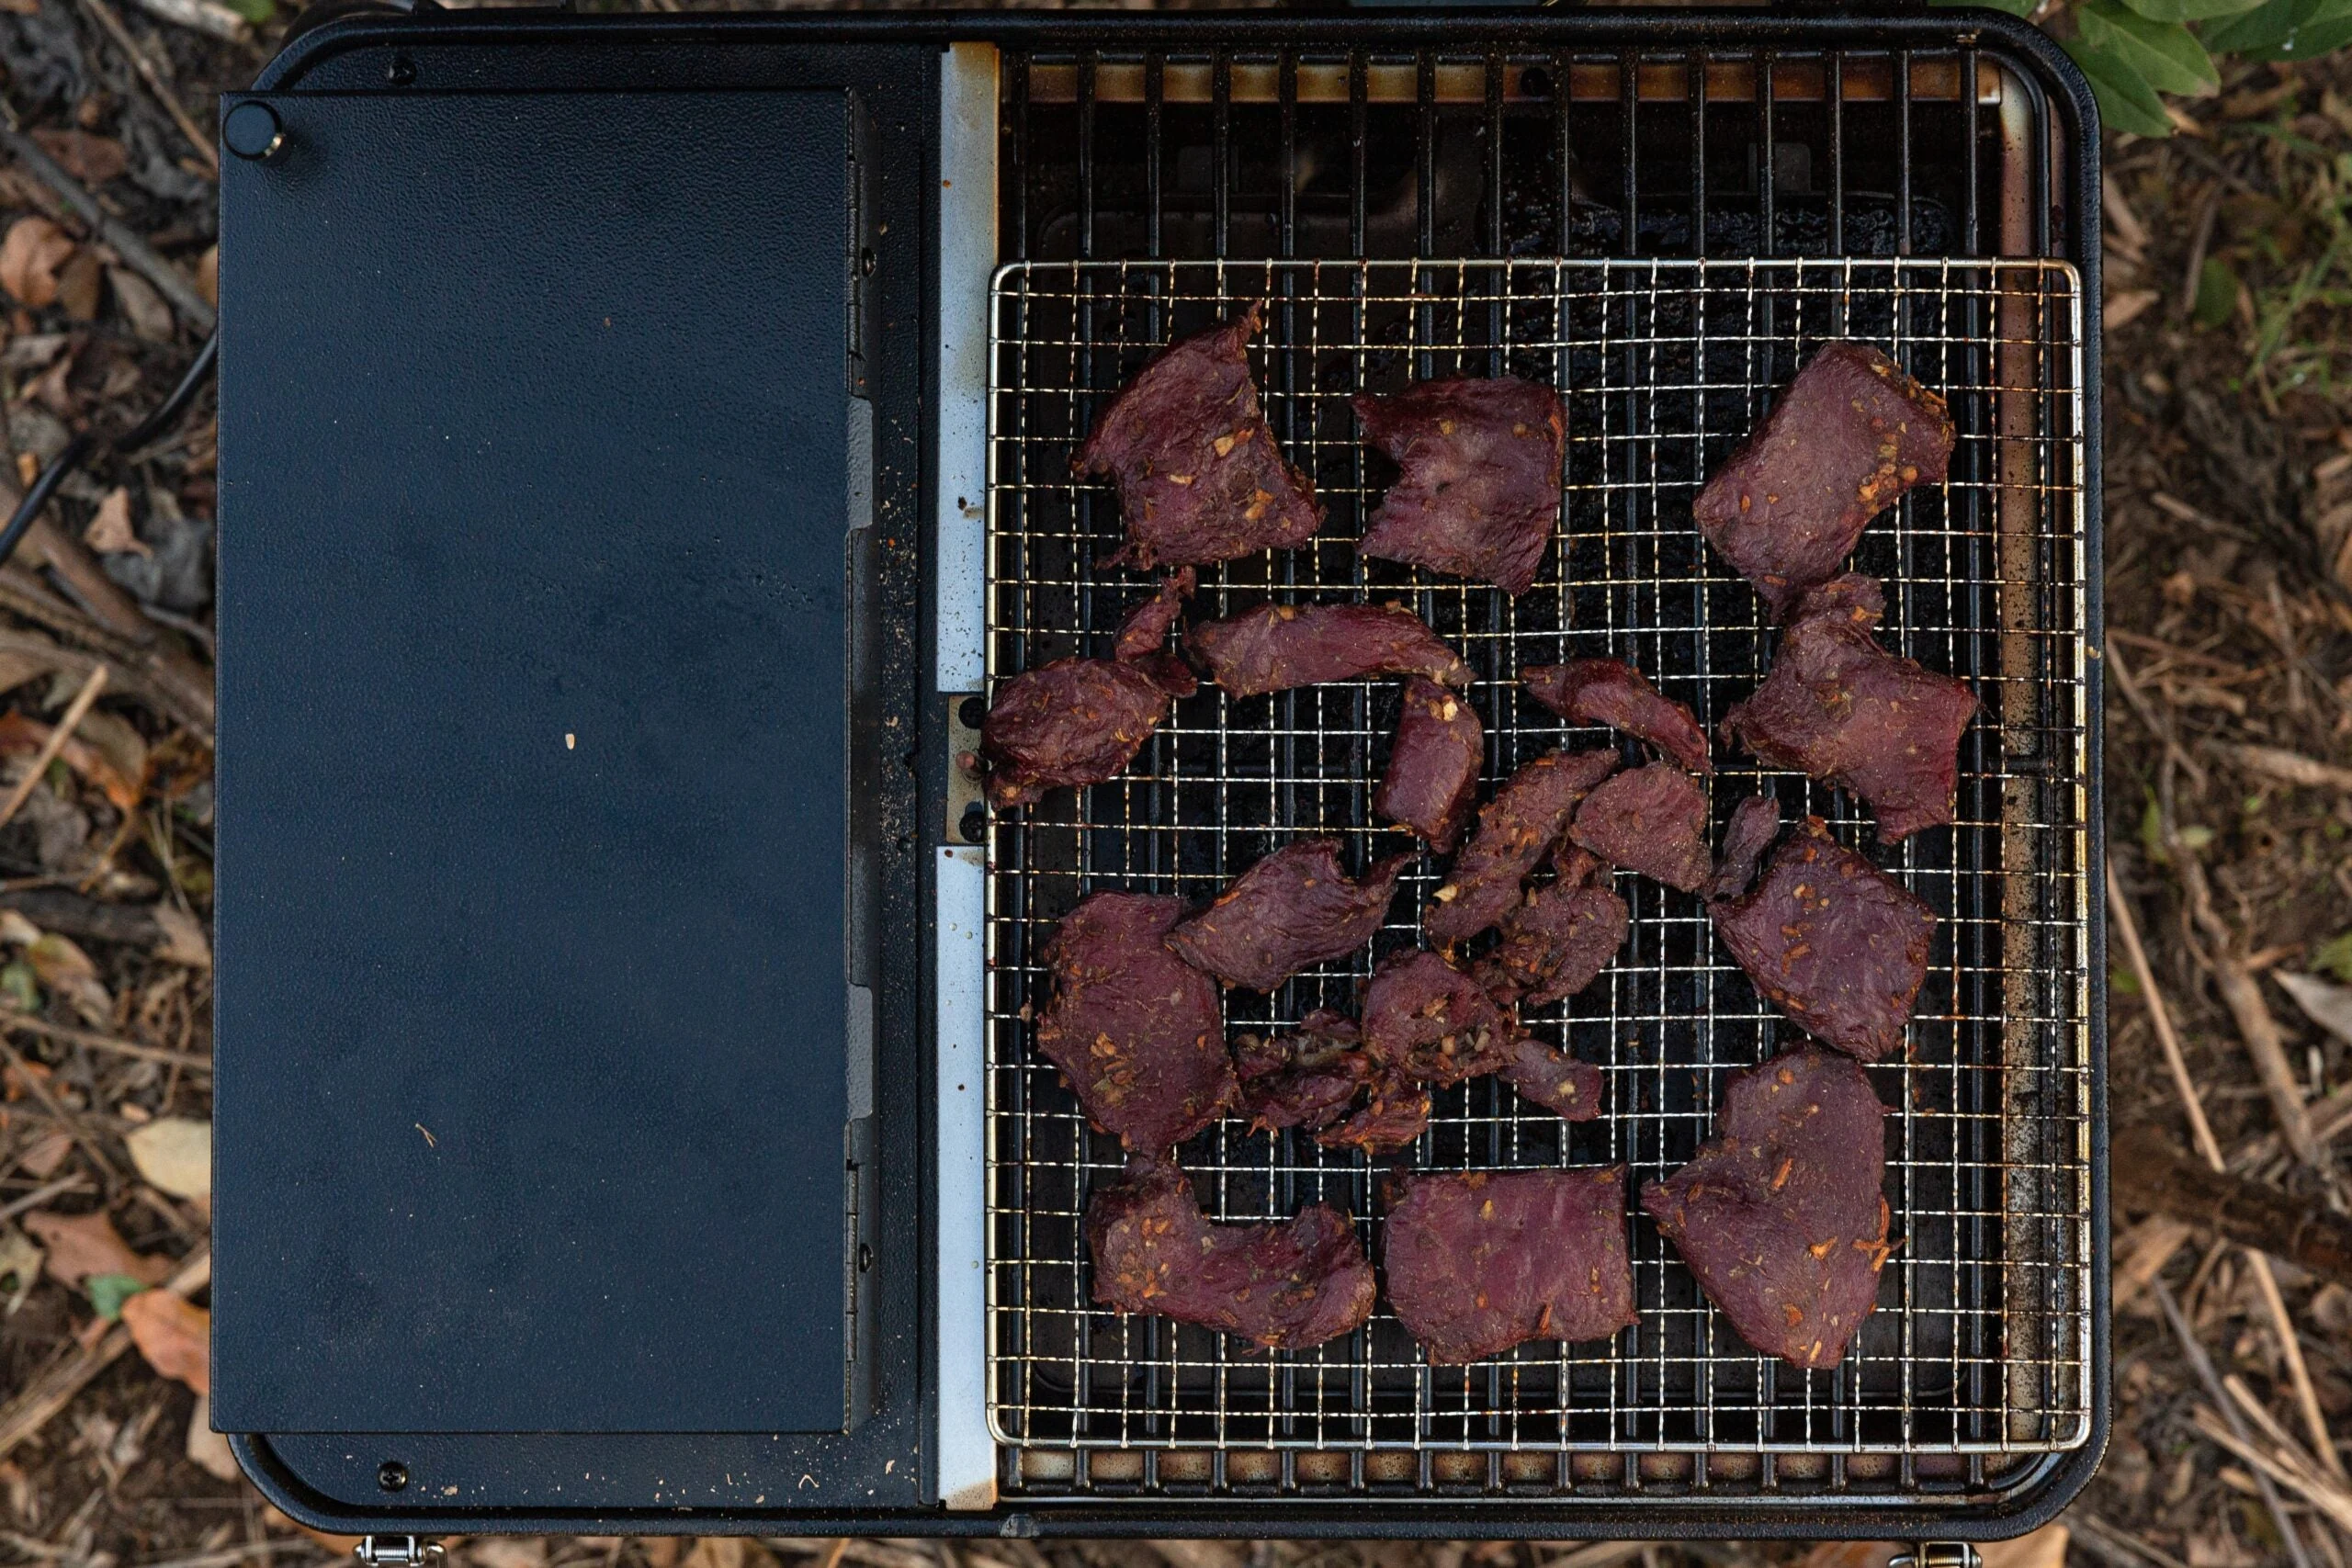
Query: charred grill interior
1664, 238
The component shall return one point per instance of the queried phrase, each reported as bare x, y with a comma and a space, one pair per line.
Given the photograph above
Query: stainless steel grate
1980, 1347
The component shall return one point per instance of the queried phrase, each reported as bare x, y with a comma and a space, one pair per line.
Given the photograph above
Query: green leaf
2335, 956
254, 11
108, 1292
2122, 982
20, 988
2126, 102
2190, 10
2014, 7
2285, 29
2217, 293
2165, 54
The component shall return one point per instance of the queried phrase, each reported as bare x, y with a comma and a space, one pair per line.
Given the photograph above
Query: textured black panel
535, 766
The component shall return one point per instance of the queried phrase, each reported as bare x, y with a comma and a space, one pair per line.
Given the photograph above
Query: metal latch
1938, 1554
397, 1551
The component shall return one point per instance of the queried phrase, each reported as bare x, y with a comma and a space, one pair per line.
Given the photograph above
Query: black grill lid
534, 995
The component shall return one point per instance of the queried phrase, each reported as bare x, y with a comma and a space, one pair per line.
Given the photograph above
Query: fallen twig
66, 1117
206, 16
40, 1195
53, 1389
2284, 1466
2202, 1365
136, 253
104, 15
2256, 1025
229, 1555
58, 736
189, 1060
2200, 1131
2292, 767
2151, 1174
182, 693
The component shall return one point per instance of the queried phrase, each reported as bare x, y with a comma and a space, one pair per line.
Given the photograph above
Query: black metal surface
529, 1482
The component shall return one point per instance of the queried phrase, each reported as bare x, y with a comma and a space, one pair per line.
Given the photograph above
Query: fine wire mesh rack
1980, 1343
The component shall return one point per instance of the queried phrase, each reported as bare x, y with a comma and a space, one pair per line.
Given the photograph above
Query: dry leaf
2045, 1548
93, 160
65, 969
2328, 1005
177, 1339
208, 276
184, 941
80, 283
114, 738
30, 256
82, 1244
175, 1154
2127, 307
33, 351
507, 1551
2332, 1309
21, 735
109, 531
49, 1152
1850, 1554
660, 1550
19, 1267
208, 1450
142, 306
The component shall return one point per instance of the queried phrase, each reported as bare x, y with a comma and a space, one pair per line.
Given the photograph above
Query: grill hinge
1938, 1554
397, 1551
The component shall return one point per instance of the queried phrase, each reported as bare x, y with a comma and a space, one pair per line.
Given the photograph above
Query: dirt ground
2229, 770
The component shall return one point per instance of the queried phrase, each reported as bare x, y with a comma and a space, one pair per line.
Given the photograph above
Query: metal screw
392, 1475
974, 825
973, 711
865, 262
401, 72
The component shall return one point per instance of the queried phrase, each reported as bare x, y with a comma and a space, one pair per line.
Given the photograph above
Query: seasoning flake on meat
1839, 707
1395, 1111
1516, 829
1652, 820
1562, 1085
1135, 1030
1080, 721
1307, 1078
1558, 939
1481, 1261
1755, 823
1276, 647
1433, 777
1295, 908
1848, 437
1832, 941
1426, 1018
1611, 692
1479, 490
1781, 1215
1282, 1285
1199, 476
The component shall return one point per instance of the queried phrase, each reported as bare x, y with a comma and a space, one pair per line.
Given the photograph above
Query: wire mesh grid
1979, 1342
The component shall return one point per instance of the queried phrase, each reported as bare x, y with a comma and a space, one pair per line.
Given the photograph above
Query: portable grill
645, 445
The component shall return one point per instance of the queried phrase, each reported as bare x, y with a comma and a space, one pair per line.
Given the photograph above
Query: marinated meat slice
1135, 1030
1200, 478
1483, 1260
1395, 1111
1479, 490
1849, 435
1837, 706
1304, 1079
1558, 939
1833, 941
1755, 823
1148, 624
1079, 721
1433, 777
1283, 1285
1652, 820
1525, 819
1611, 691
1566, 1087
1426, 1018
1780, 1216
1276, 647
1295, 908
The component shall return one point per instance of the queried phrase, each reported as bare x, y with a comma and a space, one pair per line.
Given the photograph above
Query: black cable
53, 474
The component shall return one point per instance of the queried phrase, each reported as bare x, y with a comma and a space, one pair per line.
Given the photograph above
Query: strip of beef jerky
1832, 941
1525, 819
1848, 436
1433, 777
1080, 721
1780, 1216
1652, 820
1396, 1110
1611, 692
1283, 1285
1558, 939
1479, 490
1295, 908
1566, 1087
1276, 647
1427, 1020
1135, 1028
1755, 823
1199, 478
1307, 1078
1483, 1260
1839, 707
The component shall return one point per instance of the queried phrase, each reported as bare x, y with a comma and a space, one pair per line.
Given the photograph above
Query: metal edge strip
967, 203
966, 1449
